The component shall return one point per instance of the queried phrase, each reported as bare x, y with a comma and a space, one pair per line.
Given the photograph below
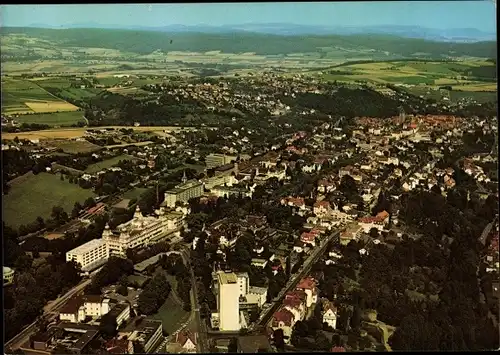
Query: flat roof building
90, 255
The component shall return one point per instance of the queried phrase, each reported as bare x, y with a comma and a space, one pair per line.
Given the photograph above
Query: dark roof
253, 343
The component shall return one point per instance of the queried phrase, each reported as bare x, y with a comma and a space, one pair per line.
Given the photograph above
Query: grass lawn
53, 119
108, 163
171, 313
35, 196
73, 147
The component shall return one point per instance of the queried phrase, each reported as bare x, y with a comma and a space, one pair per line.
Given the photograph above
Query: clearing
108, 163
35, 195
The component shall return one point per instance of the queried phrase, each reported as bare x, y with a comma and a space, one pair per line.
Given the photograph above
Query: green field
16, 92
23, 96
52, 119
62, 85
461, 75
108, 163
35, 196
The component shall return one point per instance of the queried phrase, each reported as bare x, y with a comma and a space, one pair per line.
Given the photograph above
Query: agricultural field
35, 195
74, 147
473, 75
52, 119
22, 96
108, 163
69, 133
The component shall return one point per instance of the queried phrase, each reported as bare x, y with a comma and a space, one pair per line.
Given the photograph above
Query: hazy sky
432, 14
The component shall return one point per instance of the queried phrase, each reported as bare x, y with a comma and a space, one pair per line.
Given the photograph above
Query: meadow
74, 147
108, 163
35, 195
22, 96
68, 133
423, 76
52, 119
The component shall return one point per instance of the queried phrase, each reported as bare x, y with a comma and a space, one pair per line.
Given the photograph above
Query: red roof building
307, 283
281, 318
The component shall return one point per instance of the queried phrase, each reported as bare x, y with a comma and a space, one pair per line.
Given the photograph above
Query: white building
329, 313
243, 283
228, 301
89, 255
142, 231
78, 308
257, 295
183, 192
8, 275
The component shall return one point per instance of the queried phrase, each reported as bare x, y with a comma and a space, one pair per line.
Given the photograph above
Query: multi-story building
142, 231
89, 255
216, 160
183, 192
78, 308
243, 282
228, 294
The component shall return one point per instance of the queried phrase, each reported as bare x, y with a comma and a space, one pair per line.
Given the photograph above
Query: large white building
89, 255
216, 160
183, 192
228, 301
142, 231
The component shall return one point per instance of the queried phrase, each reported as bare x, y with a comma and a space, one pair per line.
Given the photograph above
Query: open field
108, 163
73, 147
463, 75
50, 106
80, 132
22, 96
52, 119
35, 195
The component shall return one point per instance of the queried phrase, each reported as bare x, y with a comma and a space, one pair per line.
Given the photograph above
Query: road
202, 345
49, 312
308, 263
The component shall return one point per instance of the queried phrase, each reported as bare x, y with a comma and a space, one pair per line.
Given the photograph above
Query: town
260, 187
269, 245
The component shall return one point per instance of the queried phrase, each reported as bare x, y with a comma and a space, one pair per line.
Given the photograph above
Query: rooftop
84, 248
227, 277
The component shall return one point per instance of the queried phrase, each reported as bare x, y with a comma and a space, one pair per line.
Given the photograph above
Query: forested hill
143, 42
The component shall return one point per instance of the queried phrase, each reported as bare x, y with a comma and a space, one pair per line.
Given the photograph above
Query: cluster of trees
32, 288
148, 252
174, 266
15, 163
347, 102
154, 294
25, 127
111, 272
447, 315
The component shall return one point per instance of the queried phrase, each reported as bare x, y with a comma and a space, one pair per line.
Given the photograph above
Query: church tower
184, 178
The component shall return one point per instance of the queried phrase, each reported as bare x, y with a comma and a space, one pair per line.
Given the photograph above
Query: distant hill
144, 42
442, 35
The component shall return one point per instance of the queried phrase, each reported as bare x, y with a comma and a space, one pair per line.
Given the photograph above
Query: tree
374, 233
279, 339
108, 326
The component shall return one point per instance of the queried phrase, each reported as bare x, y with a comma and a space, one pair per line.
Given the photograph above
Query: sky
432, 14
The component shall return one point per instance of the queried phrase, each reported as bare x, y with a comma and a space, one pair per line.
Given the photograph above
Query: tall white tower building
228, 301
